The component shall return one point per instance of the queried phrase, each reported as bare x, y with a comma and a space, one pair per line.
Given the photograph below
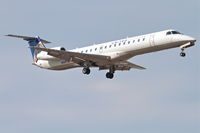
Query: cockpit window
172, 32
175, 32
169, 33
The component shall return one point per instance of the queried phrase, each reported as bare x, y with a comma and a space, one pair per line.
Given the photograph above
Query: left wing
102, 61
75, 56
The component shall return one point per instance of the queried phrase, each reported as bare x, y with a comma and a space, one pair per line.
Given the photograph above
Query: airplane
111, 56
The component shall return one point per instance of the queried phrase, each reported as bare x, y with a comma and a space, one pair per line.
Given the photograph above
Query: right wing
131, 65
123, 65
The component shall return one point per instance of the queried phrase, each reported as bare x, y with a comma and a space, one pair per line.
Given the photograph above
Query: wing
76, 57
103, 62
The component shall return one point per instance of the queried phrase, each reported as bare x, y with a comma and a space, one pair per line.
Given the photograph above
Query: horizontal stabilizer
27, 38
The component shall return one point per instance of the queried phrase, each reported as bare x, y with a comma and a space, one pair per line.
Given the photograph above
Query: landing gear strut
86, 70
111, 72
86, 67
183, 47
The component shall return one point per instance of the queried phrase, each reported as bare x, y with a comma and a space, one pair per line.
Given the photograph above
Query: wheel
109, 75
182, 54
86, 71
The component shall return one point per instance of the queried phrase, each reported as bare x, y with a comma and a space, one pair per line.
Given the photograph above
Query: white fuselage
120, 50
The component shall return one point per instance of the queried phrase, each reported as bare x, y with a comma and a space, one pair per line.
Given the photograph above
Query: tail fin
33, 42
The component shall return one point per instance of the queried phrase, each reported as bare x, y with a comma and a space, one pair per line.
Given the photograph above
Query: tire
86, 71
182, 54
109, 75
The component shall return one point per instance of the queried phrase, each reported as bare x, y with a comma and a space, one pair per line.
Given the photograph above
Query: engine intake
44, 56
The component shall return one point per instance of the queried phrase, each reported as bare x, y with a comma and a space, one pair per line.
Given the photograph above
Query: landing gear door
152, 40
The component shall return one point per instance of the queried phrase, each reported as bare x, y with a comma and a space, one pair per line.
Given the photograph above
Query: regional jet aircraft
111, 56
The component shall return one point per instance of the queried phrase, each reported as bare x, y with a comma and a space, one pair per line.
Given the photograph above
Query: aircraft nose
189, 39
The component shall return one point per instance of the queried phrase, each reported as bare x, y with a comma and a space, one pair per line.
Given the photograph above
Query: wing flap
123, 65
131, 65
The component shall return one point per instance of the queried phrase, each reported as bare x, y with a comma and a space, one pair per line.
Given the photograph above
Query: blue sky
163, 98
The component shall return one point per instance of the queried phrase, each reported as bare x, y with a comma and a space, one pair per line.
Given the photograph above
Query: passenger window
124, 43
128, 42
119, 44
86, 51
138, 40
110, 46
95, 49
105, 47
115, 45
143, 39
133, 41
101, 47
90, 50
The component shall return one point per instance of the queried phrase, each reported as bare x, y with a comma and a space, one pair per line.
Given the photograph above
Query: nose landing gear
183, 47
182, 54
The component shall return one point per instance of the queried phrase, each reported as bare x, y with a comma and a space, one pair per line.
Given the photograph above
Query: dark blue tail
33, 42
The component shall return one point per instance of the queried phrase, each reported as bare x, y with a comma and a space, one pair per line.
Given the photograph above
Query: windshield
175, 32
172, 32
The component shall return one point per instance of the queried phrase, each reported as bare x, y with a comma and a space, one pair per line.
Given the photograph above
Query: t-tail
33, 42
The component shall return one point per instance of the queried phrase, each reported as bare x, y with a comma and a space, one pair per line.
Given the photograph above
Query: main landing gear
86, 70
109, 75
86, 67
111, 72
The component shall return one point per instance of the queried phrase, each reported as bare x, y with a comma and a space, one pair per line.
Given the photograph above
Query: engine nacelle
59, 48
44, 56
